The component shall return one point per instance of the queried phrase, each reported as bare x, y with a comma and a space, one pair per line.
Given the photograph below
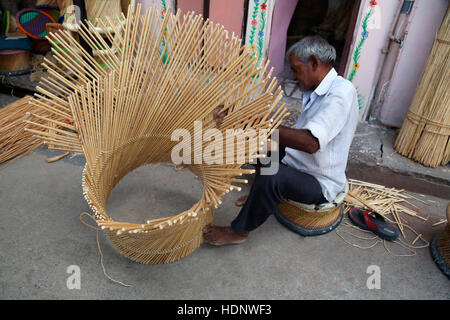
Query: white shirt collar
321, 89
326, 82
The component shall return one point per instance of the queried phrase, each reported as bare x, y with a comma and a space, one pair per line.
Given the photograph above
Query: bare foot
241, 201
220, 236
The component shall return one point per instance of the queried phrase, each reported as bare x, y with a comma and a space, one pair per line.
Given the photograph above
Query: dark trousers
268, 191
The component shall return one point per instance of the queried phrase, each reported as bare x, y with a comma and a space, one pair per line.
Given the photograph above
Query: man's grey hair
313, 45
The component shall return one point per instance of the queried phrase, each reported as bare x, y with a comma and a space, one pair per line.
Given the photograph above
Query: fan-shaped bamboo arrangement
425, 133
14, 141
163, 72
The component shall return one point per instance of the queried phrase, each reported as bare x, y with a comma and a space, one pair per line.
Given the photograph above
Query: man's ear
314, 62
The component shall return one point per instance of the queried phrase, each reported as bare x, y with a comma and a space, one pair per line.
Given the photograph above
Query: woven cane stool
440, 247
312, 220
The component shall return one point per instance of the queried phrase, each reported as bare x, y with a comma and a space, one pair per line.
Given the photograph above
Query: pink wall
379, 26
149, 3
426, 20
282, 16
229, 13
190, 5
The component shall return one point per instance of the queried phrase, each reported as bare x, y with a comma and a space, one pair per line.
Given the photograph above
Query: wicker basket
440, 247
15, 62
312, 220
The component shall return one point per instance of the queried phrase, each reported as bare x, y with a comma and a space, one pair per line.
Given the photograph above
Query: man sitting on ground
314, 153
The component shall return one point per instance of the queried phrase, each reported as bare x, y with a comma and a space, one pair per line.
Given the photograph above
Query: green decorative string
360, 99
258, 21
164, 6
251, 38
163, 42
262, 23
357, 53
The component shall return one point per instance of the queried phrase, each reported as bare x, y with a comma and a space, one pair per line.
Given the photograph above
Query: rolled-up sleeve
332, 115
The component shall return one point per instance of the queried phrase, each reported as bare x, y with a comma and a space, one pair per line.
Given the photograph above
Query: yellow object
313, 219
161, 74
424, 136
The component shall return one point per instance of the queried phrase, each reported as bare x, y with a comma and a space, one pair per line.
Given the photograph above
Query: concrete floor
41, 236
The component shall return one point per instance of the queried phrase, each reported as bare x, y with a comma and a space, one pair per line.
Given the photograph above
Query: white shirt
330, 113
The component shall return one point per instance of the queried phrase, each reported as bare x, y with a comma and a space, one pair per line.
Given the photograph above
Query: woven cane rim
442, 262
313, 216
309, 219
156, 241
135, 240
314, 229
440, 247
443, 243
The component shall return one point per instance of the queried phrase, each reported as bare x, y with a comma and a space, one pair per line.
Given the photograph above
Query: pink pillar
282, 16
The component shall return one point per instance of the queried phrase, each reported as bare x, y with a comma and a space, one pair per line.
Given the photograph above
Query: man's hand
218, 115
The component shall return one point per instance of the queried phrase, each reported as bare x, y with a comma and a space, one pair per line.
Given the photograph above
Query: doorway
333, 20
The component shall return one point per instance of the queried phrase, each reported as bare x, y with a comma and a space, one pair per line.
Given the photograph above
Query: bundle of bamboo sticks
393, 204
105, 8
425, 133
162, 73
14, 141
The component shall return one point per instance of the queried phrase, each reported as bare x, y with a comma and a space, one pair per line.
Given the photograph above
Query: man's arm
299, 139
218, 115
